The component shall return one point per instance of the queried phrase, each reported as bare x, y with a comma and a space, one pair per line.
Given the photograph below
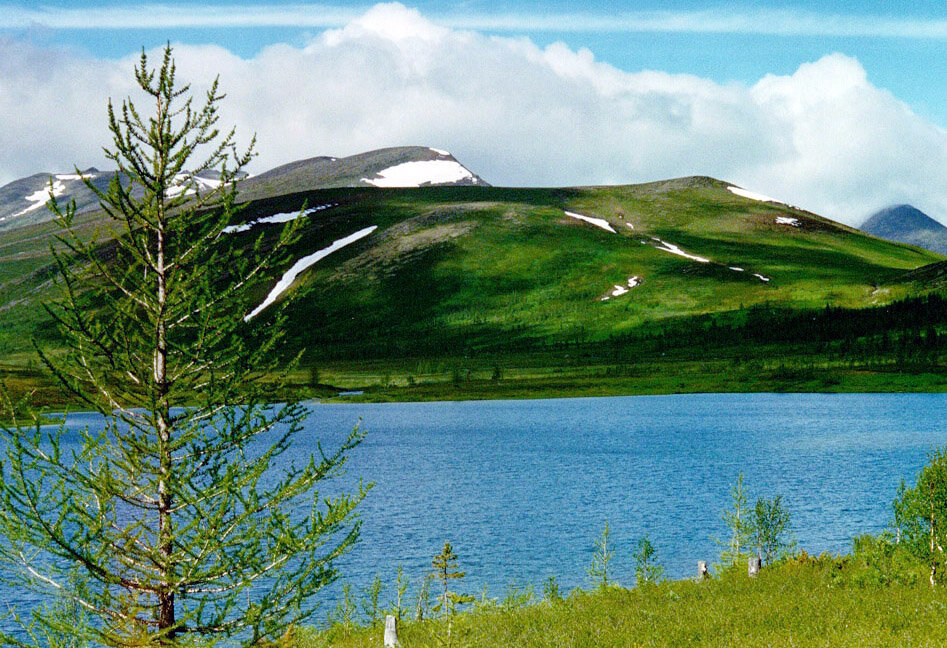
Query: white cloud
823, 138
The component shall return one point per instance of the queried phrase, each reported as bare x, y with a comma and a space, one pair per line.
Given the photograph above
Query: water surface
523, 488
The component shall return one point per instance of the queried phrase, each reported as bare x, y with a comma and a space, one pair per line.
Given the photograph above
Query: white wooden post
702, 571
753, 565
391, 631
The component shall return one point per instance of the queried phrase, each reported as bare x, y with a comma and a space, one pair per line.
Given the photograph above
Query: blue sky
765, 93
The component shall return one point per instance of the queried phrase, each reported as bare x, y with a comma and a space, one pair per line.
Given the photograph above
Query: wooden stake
702, 571
391, 631
753, 565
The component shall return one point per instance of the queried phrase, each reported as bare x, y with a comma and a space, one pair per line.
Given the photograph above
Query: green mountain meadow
475, 291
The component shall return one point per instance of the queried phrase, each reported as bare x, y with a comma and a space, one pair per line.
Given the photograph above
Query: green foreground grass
804, 602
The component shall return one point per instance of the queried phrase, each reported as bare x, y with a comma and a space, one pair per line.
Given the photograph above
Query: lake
522, 489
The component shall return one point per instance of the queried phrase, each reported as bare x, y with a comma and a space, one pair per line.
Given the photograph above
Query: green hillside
494, 268
495, 281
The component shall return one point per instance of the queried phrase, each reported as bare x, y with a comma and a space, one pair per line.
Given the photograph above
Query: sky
836, 106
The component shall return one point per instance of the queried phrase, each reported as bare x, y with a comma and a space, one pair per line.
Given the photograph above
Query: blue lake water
523, 488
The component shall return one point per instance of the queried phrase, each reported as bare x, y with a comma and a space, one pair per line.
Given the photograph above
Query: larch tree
738, 518
444, 567
182, 520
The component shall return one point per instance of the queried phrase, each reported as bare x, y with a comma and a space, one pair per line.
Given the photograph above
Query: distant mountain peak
900, 216
907, 224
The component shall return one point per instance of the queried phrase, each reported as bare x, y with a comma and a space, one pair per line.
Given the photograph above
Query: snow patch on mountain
598, 222
76, 176
618, 289
40, 197
187, 184
761, 277
425, 172
283, 217
786, 220
751, 195
673, 249
290, 275
440, 152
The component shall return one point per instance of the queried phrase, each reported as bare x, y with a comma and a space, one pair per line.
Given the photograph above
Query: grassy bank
388, 382
850, 601
548, 376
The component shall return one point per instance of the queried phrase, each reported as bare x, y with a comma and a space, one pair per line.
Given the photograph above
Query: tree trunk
930, 499
166, 617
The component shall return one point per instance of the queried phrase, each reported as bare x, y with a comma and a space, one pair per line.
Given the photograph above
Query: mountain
467, 270
906, 224
406, 166
447, 268
687, 284
23, 202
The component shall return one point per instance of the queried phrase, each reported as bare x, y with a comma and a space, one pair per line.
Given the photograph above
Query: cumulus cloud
823, 138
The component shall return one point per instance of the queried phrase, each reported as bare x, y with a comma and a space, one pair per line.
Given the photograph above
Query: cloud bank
823, 138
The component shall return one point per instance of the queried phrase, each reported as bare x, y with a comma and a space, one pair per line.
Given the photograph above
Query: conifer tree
598, 569
444, 567
170, 525
739, 521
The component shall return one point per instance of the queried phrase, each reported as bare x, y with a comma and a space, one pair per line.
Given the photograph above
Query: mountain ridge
22, 201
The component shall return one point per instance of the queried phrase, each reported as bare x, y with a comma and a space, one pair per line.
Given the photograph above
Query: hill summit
907, 224
23, 201
402, 167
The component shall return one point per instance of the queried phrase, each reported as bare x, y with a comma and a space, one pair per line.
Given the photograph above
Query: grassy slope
815, 603
484, 266
468, 279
